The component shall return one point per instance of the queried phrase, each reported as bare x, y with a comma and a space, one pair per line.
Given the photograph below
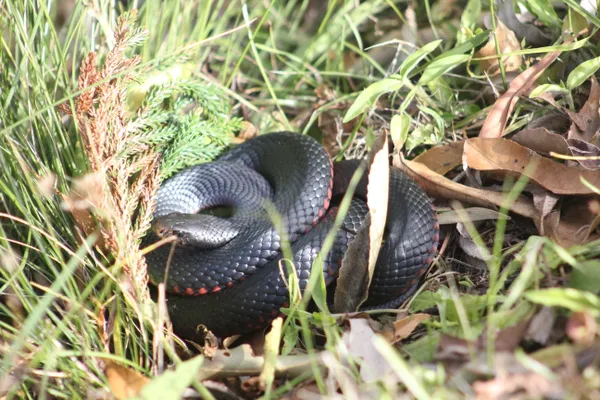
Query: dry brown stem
127, 185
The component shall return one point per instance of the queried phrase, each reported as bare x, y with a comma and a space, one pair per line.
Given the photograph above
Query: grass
72, 283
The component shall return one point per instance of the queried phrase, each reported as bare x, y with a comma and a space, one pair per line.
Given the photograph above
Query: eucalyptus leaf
440, 66
415, 58
371, 93
572, 299
582, 72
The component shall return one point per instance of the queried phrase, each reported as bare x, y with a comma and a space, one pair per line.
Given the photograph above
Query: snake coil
224, 272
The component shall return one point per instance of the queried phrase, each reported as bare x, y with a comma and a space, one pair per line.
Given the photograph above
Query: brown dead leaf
582, 148
211, 344
494, 124
586, 122
355, 274
405, 326
541, 140
442, 159
507, 43
124, 382
247, 132
555, 122
507, 156
83, 201
574, 224
545, 202
508, 339
437, 185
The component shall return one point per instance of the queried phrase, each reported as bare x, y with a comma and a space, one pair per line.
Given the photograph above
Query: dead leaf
247, 132
554, 122
545, 202
508, 339
532, 35
359, 341
541, 140
124, 382
437, 185
272, 342
211, 344
468, 245
405, 326
83, 202
582, 148
540, 327
574, 224
507, 156
471, 214
586, 122
355, 275
451, 348
442, 159
582, 328
494, 124
507, 43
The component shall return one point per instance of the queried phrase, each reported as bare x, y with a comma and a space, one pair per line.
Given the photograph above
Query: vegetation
492, 107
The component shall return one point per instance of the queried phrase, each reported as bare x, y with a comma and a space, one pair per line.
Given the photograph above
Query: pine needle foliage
187, 122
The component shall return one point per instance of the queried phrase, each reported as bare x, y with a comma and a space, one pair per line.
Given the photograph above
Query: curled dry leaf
574, 224
555, 122
359, 261
494, 124
404, 327
510, 157
582, 148
124, 382
507, 43
545, 202
442, 159
437, 185
586, 122
541, 140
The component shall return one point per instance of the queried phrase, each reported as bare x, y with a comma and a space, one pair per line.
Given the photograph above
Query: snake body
225, 273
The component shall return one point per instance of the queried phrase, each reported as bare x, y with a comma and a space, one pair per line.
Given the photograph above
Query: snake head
196, 230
